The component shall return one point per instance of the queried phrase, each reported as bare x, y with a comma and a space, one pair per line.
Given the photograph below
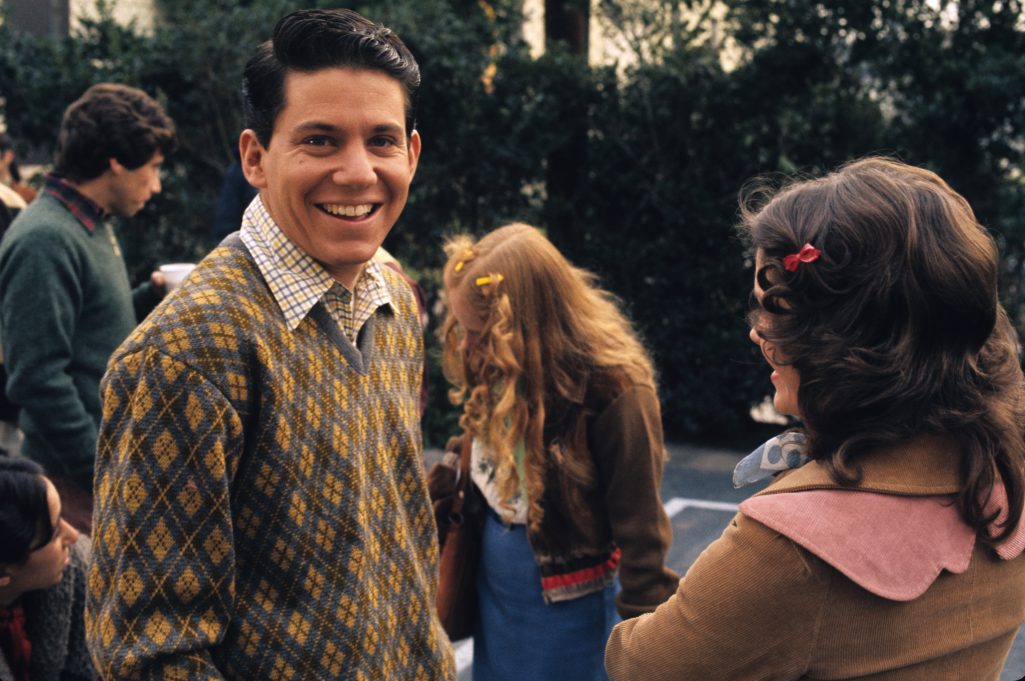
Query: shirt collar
295, 279
85, 210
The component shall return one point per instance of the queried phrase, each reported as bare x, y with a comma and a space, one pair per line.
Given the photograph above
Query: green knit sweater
65, 306
261, 509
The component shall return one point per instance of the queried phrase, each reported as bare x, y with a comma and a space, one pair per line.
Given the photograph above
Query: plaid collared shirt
85, 210
297, 281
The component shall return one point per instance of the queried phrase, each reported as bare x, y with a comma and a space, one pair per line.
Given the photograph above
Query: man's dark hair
24, 510
313, 39
111, 121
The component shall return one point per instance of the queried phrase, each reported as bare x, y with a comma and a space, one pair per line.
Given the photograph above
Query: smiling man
260, 492
65, 300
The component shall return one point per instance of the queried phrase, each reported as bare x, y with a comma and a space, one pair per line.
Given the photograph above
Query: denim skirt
517, 636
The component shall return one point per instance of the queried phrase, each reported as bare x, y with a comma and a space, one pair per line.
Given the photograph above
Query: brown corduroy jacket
760, 604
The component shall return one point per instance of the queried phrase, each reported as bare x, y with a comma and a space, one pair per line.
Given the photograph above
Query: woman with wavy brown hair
891, 548
559, 397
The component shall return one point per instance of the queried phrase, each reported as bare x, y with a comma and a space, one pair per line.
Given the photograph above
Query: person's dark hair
111, 121
7, 144
24, 510
896, 329
313, 39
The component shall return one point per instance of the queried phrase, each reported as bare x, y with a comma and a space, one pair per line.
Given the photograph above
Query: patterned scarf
780, 453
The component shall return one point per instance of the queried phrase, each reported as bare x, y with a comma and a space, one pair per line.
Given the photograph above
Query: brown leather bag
458, 511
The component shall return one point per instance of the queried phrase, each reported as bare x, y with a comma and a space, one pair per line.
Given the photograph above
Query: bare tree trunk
566, 22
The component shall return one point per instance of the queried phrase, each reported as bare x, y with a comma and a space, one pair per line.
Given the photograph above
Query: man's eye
317, 141
382, 141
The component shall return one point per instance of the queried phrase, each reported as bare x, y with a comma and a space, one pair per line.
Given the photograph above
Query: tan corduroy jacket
798, 593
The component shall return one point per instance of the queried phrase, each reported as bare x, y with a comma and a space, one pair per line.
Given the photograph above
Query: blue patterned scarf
780, 453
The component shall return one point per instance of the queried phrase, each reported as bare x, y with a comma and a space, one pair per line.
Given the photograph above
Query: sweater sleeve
161, 584
40, 301
145, 297
749, 608
626, 440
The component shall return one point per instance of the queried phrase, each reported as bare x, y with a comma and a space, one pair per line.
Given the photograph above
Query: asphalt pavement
700, 499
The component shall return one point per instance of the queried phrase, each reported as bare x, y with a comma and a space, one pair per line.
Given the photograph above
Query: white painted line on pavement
677, 504
464, 649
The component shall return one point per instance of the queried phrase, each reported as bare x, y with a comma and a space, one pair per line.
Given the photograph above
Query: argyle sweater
261, 508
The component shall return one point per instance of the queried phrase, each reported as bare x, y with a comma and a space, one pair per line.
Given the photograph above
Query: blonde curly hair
549, 334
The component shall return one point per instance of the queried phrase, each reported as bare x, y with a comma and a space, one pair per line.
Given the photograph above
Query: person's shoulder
220, 308
400, 289
747, 546
44, 223
223, 281
39, 240
612, 389
913, 538
11, 198
396, 280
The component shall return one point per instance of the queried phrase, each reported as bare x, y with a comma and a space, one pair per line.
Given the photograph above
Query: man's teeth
348, 211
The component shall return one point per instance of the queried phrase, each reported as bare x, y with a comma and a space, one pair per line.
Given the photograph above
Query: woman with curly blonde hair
559, 397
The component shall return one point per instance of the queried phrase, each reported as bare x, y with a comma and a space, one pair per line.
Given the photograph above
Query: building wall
42, 17
124, 11
56, 18
612, 47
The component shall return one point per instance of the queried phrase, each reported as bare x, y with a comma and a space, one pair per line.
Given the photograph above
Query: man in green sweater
261, 507
65, 299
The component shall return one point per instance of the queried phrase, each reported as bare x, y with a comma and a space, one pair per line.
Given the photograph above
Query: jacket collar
925, 466
895, 531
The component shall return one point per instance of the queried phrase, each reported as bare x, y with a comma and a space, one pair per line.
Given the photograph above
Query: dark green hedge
634, 172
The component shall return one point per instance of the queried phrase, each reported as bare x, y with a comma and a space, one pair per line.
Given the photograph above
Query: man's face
335, 176
129, 190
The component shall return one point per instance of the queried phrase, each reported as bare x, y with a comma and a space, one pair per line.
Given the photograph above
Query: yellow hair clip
484, 281
468, 255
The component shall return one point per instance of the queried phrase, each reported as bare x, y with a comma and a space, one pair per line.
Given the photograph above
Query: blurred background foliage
632, 167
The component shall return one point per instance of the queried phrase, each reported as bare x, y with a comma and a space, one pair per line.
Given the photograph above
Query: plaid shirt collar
85, 210
296, 280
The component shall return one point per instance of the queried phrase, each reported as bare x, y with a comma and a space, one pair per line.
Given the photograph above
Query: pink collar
893, 546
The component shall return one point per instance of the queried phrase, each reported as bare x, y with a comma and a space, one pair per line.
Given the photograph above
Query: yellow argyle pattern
261, 510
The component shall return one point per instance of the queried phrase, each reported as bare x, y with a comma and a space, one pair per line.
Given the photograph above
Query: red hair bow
808, 253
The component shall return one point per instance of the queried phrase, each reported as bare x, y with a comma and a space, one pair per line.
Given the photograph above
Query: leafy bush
633, 169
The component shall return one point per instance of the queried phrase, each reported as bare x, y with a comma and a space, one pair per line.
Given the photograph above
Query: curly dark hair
312, 39
896, 330
108, 121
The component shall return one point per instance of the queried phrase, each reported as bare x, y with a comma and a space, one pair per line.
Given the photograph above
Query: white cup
174, 273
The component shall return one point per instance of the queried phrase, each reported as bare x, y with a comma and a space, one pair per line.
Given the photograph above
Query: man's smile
348, 210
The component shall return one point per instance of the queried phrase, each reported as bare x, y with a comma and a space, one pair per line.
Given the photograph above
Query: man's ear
116, 167
414, 153
5, 578
252, 155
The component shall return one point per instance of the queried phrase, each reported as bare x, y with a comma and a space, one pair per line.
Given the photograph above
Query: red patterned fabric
85, 210
593, 574
14, 641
